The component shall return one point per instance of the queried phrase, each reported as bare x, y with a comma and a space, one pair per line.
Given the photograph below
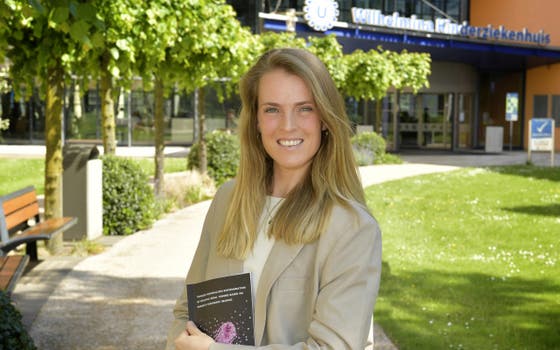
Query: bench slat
11, 269
50, 227
42, 231
22, 215
14, 204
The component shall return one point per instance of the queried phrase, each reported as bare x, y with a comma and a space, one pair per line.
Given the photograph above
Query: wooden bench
20, 222
11, 269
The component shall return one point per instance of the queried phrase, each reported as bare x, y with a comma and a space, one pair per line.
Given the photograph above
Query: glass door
465, 106
436, 122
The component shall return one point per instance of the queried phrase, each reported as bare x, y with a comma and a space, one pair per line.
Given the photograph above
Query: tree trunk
378, 116
203, 158
53, 141
396, 122
159, 124
107, 109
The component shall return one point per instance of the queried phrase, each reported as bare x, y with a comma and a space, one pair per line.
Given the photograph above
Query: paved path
122, 298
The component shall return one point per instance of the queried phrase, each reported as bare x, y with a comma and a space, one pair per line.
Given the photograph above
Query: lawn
21, 172
470, 259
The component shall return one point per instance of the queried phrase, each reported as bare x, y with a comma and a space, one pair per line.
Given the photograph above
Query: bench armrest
44, 230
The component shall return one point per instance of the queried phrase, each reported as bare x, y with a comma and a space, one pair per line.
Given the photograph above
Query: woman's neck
283, 182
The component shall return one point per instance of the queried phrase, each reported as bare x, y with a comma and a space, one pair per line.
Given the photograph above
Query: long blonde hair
332, 177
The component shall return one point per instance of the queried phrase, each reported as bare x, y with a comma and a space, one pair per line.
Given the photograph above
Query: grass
85, 247
21, 172
470, 259
18, 173
171, 165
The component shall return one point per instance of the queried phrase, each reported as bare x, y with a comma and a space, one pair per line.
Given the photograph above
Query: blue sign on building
541, 128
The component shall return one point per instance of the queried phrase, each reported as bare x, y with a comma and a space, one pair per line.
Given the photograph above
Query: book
223, 308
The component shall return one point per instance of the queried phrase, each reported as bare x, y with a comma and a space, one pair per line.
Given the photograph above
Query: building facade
495, 66
486, 55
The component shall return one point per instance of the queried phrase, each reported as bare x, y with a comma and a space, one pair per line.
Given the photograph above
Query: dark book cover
223, 308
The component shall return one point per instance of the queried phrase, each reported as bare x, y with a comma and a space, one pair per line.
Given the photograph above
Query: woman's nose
288, 121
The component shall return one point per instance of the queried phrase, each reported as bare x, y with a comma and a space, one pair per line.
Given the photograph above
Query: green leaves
410, 69
369, 75
372, 73
13, 334
274, 40
60, 15
196, 44
330, 52
85, 11
38, 7
79, 31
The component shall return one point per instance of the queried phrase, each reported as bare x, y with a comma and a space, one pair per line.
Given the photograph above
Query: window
540, 106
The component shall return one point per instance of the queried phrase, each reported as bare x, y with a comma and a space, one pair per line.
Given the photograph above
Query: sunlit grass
470, 259
17, 173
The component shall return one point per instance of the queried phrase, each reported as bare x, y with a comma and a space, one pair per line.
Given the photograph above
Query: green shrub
369, 147
13, 334
128, 199
388, 158
222, 149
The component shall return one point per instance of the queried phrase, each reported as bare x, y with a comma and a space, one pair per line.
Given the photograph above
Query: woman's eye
271, 110
306, 109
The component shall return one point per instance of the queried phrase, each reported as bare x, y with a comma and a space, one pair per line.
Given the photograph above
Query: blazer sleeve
350, 273
197, 272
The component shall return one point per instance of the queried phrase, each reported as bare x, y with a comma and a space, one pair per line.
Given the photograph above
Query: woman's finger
192, 329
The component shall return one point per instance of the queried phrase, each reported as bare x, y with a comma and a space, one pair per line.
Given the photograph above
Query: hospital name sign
445, 26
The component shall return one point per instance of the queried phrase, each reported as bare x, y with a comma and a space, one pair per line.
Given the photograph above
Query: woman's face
289, 122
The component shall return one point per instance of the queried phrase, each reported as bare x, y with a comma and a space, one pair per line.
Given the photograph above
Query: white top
263, 245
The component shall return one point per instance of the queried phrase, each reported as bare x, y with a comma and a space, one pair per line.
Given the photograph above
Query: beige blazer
310, 296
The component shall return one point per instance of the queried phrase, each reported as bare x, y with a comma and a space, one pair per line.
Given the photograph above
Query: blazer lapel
279, 258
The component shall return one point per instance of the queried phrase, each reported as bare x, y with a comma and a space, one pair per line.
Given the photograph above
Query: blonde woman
295, 216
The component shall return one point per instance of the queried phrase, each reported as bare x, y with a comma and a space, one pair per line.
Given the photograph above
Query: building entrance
430, 120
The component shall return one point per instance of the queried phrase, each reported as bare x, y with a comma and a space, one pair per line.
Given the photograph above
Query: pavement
123, 297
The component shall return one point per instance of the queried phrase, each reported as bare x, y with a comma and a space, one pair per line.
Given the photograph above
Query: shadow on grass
552, 210
432, 309
537, 172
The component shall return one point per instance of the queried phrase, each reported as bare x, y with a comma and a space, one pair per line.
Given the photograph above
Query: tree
4, 15
188, 46
44, 41
410, 70
328, 49
369, 76
112, 57
274, 40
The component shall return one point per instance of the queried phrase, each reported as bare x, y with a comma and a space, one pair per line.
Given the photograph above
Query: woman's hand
193, 339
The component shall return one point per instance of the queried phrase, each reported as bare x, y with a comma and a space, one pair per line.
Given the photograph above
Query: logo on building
321, 15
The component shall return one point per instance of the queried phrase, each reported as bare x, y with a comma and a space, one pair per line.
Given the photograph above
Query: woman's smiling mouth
290, 142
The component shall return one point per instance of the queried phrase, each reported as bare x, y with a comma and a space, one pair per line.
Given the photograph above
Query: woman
295, 216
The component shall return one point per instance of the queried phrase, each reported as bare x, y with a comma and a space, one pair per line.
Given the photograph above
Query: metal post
196, 121
553, 143
529, 145
129, 116
510, 134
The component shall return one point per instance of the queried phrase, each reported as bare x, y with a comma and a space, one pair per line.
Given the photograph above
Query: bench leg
31, 250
